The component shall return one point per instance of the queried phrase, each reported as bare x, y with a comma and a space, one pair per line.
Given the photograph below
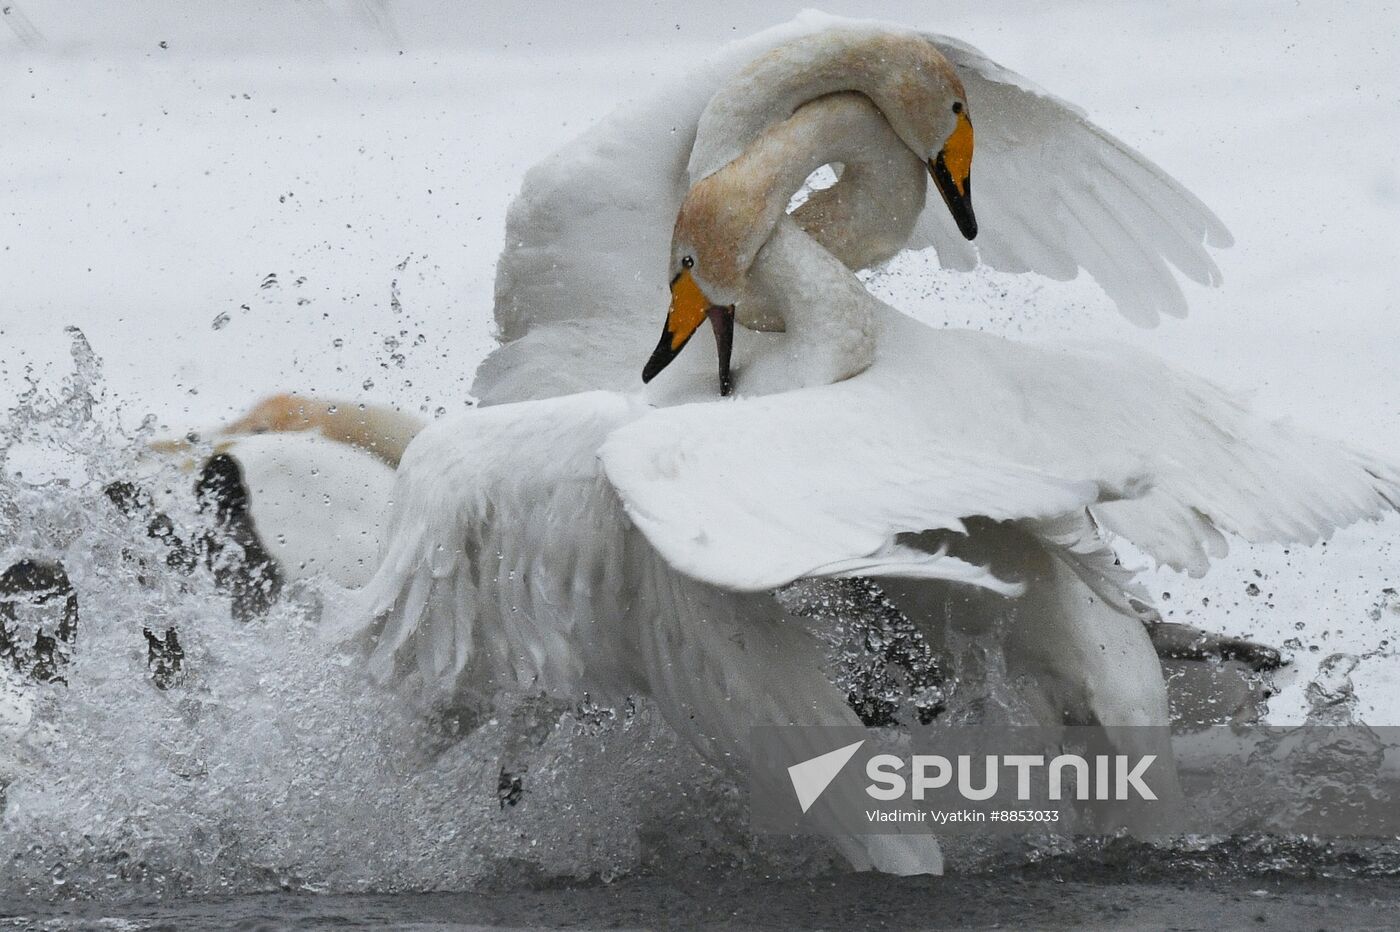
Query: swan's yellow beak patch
952, 173
688, 307
957, 154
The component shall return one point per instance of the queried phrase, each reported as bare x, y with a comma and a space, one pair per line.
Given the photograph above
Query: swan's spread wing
1055, 193
1219, 468
503, 550
1211, 466
753, 494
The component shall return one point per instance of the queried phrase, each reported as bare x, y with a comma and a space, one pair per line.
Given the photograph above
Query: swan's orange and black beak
690, 308
951, 169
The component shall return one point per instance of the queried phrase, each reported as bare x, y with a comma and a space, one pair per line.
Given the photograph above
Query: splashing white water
274, 763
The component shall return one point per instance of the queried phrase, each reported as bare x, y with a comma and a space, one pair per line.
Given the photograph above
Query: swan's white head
729, 213
907, 78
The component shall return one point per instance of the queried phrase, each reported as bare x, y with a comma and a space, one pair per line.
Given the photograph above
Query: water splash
267, 760
880, 659
1331, 694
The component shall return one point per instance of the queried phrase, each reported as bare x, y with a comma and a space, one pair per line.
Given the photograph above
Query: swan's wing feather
1264, 482
502, 533
1218, 468
753, 494
1055, 193
1212, 466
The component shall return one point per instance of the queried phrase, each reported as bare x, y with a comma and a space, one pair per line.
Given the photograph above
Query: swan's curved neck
799, 279
866, 217
769, 89
380, 431
830, 324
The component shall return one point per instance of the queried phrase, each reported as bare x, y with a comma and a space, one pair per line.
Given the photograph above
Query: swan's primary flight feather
1056, 193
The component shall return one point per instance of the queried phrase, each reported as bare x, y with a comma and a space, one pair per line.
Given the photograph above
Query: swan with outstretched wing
597, 542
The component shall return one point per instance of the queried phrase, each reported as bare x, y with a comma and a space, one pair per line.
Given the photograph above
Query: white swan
511, 564
315, 477
562, 595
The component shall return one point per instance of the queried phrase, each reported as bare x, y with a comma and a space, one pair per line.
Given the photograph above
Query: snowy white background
148, 191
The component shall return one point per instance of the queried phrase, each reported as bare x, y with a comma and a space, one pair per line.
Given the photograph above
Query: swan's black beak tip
957, 194
660, 358
951, 169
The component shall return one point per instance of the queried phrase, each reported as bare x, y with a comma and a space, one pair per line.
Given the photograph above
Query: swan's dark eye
957, 106
687, 262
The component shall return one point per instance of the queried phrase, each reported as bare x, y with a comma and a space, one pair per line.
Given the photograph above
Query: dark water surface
836, 902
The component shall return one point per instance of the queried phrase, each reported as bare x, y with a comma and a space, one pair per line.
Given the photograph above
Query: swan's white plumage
953, 423
752, 495
318, 506
483, 567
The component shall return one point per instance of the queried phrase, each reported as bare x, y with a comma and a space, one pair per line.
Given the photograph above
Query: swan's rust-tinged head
279, 414
905, 75
925, 101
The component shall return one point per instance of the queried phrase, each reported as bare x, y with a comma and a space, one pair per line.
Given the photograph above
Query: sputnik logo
811, 777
